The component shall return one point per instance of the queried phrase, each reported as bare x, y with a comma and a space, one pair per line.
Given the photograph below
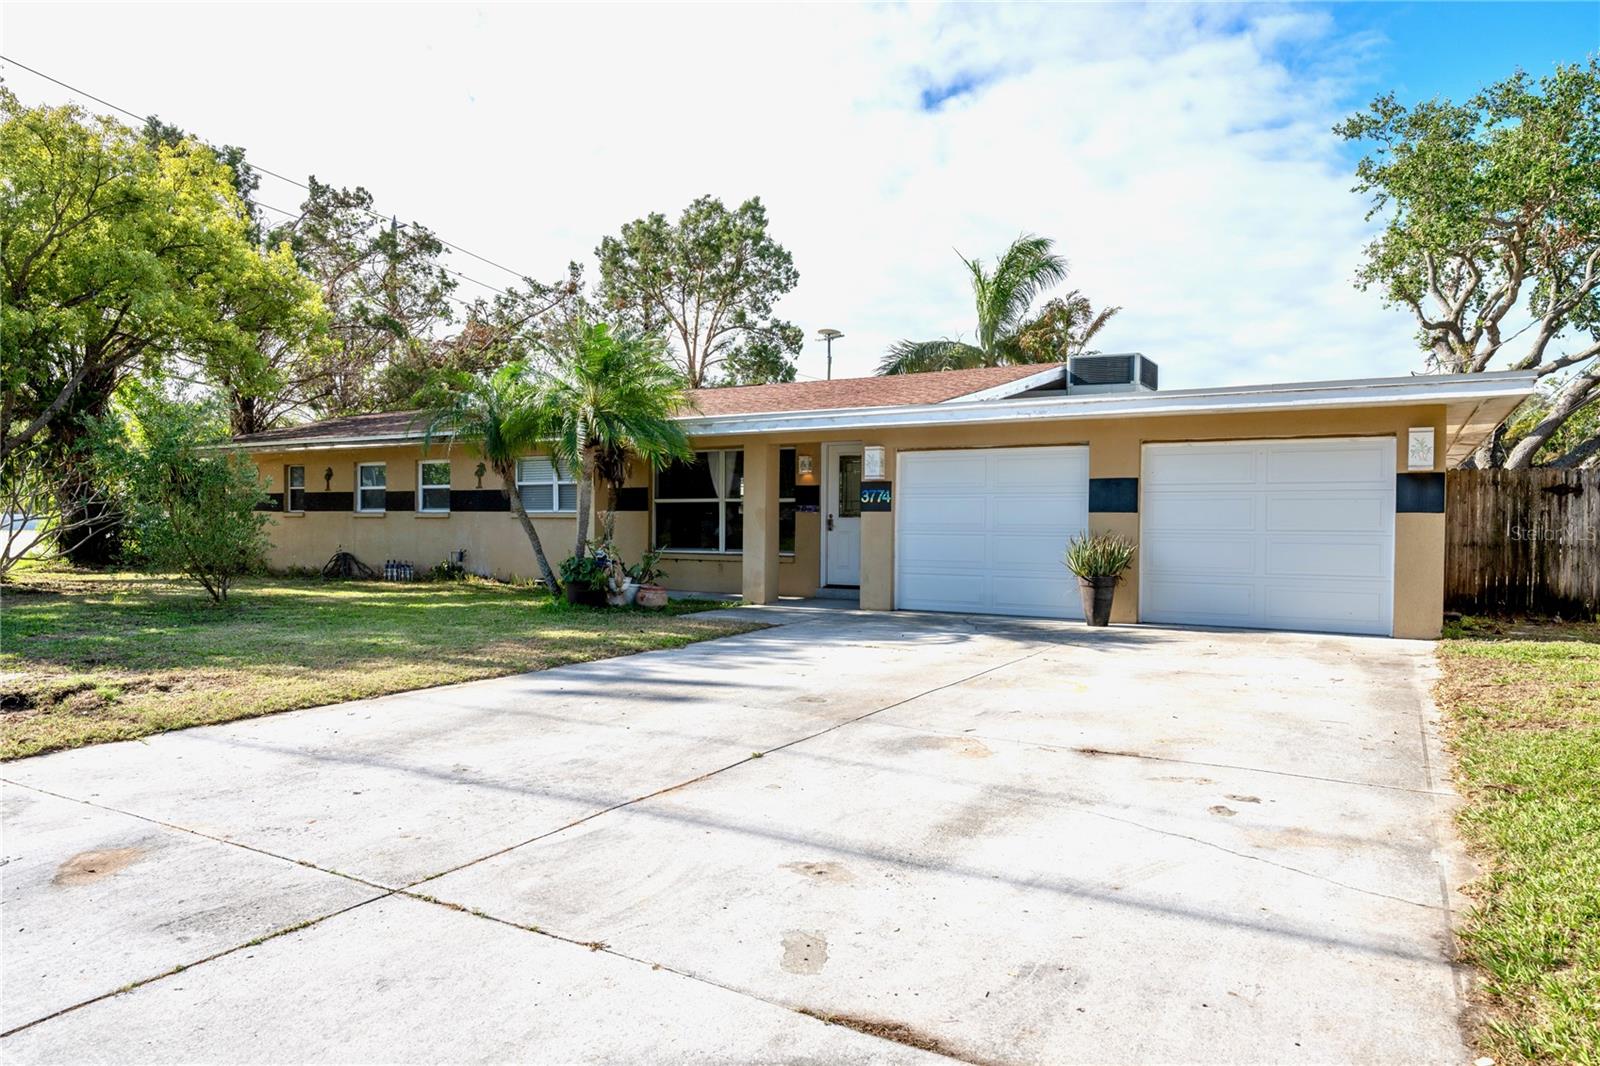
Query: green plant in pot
1098, 559
648, 573
585, 578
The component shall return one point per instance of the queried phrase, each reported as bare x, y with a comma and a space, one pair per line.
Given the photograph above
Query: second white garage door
983, 530
1269, 534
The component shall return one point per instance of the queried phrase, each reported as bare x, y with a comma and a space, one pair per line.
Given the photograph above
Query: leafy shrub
190, 502
1099, 555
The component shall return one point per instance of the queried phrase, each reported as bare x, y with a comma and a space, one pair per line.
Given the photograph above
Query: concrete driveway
847, 838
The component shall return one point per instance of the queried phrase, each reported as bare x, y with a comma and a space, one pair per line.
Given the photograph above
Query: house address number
876, 495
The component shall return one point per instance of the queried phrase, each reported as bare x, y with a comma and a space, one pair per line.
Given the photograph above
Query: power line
257, 167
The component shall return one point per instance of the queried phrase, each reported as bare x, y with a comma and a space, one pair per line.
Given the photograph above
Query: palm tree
607, 397
501, 415
1006, 334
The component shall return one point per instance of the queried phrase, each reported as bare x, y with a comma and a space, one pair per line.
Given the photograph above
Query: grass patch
1522, 703
91, 657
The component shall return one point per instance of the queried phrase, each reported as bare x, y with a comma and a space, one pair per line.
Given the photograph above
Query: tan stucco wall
495, 542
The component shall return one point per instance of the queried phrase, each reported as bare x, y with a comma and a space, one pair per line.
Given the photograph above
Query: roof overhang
1474, 405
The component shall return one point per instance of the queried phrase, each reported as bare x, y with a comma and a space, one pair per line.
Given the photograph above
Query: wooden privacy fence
1523, 541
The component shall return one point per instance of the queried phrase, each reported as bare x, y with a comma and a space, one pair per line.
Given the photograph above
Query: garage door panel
945, 512
1325, 464
1023, 596
1306, 543
1339, 513
992, 545
1322, 558
943, 549
1217, 465
1200, 511
1207, 555
1037, 553
1352, 609
1052, 513
944, 473
1202, 601
1030, 471
948, 592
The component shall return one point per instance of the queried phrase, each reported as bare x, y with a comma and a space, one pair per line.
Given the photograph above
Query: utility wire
256, 166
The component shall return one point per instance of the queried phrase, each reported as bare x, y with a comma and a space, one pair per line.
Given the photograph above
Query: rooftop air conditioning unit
1126, 372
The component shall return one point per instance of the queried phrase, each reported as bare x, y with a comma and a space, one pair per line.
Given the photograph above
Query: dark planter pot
1097, 593
585, 596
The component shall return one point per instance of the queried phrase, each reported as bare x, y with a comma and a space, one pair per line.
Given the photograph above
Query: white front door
841, 509
983, 530
1269, 534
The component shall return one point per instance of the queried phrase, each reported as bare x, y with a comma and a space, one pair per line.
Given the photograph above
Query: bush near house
1522, 706
91, 657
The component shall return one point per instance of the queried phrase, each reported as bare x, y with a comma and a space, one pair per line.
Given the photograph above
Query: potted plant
648, 574
1098, 559
585, 579
620, 586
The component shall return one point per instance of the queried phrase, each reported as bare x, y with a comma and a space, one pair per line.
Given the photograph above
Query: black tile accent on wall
1419, 493
330, 501
478, 500
273, 502
399, 501
808, 495
634, 499
1114, 495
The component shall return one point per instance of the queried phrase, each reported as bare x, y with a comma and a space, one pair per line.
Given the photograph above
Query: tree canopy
1491, 237
119, 254
1008, 332
710, 283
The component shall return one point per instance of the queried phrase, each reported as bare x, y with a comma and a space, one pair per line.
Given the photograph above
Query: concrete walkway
988, 839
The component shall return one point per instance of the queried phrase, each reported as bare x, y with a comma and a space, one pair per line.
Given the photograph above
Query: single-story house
1314, 506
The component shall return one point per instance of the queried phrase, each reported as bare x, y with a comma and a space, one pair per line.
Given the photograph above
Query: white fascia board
1432, 389
1012, 388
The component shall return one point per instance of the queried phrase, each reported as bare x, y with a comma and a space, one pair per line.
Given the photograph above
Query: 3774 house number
876, 497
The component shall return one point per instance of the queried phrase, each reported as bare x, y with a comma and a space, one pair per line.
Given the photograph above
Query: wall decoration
872, 462
1419, 448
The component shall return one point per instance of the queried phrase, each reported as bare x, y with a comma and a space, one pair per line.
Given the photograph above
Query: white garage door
984, 530
1269, 534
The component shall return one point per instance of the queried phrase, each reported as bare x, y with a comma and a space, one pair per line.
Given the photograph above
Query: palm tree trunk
585, 497
509, 479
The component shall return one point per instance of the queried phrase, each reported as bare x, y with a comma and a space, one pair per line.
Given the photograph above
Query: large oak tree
1491, 240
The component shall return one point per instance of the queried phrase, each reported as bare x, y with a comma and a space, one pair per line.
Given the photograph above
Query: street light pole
829, 335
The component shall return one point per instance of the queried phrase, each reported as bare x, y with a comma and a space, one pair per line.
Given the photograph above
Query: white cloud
1185, 170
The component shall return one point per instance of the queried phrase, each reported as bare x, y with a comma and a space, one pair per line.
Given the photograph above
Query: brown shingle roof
890, 391
382, 424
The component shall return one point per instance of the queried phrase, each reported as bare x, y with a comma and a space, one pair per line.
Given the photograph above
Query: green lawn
88, 657
1522, 703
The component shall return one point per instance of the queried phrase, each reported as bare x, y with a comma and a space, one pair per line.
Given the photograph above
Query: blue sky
1180, 156
1451, 49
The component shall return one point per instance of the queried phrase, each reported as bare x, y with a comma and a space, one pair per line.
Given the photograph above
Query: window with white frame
546, 486
294, 483
433, 486
372, 483
699, 505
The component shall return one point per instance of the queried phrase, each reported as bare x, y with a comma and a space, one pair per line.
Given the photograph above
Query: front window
433, 486
699, 505
372, 482
546, 486
295, 482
